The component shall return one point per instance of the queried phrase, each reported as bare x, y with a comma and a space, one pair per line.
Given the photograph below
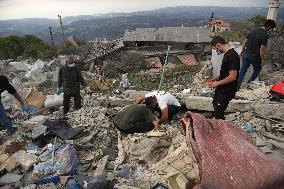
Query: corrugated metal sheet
169, 34
187, 59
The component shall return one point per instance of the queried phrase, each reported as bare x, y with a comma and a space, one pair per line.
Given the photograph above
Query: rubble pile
103, 48
84, 149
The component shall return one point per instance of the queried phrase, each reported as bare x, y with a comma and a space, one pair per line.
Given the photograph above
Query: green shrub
28, 46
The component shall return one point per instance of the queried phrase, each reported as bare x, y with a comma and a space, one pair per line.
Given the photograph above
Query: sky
15, 9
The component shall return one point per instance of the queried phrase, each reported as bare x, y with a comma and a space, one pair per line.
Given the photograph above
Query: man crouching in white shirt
163, 102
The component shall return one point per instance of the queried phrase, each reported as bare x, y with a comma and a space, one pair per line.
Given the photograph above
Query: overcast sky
11, 9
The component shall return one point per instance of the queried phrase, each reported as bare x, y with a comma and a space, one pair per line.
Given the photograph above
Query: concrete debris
19, 66
205, 104
10, 178
25, 160
90, 152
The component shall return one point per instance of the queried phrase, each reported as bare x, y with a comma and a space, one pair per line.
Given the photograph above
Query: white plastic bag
54, 100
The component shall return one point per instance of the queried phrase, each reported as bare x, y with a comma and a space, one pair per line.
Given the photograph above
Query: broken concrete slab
32, 186
10, 178
205, 104
272, 111
9, 164
147, 147
38, 131
271, 144
19, 66
101, 166
133, 94
35, 98
265, 150
24, 159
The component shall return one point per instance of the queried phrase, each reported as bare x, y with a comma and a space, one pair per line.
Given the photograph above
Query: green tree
28, 46
258, 20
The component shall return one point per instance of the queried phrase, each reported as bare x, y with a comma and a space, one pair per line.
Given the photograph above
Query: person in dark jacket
70, 78
136, 118
5, 85
254, 49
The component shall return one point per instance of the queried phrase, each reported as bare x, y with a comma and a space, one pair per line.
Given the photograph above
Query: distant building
166, 36
218, 25
152, 42
273, 9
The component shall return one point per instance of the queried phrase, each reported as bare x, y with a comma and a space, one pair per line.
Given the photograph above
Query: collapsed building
87, 151
187, 44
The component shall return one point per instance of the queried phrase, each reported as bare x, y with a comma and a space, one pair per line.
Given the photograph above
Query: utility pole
51, 36
62, 31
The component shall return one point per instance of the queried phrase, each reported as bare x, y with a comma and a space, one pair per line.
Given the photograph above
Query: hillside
113, 25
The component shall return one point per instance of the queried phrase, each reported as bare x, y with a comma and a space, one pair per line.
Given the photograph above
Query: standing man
5, 85
254, 49
163, 102
70, 78
227, 83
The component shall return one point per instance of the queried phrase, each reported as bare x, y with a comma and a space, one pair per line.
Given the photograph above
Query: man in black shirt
226, 85
254, 49
6, 86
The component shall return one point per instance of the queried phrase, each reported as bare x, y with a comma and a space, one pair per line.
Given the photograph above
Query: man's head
70, 60
151, 102
269, 24
218, 43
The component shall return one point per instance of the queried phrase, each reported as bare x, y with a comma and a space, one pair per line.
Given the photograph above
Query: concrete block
205, 104
134, 94
273, 111
10, 178
24, 159
19, 66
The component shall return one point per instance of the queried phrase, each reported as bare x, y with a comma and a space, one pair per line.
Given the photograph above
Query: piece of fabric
231, 61
278, 88
247, 60
164, 99
62, 129
256, 38
70, 78
5, 120
66, 102
5, 85
132, 114
227, 156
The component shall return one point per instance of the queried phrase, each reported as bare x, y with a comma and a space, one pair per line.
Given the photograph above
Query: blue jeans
5, 120
247, 60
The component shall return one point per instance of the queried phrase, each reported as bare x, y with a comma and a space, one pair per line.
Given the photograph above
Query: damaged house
186, 43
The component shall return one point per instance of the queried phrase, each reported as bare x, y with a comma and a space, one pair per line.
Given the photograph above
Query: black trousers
66, 102
138, 127
221, 101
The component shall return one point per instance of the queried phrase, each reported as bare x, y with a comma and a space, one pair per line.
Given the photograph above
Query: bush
28, 46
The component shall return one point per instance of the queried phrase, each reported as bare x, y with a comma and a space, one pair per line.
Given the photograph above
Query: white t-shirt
164, 99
